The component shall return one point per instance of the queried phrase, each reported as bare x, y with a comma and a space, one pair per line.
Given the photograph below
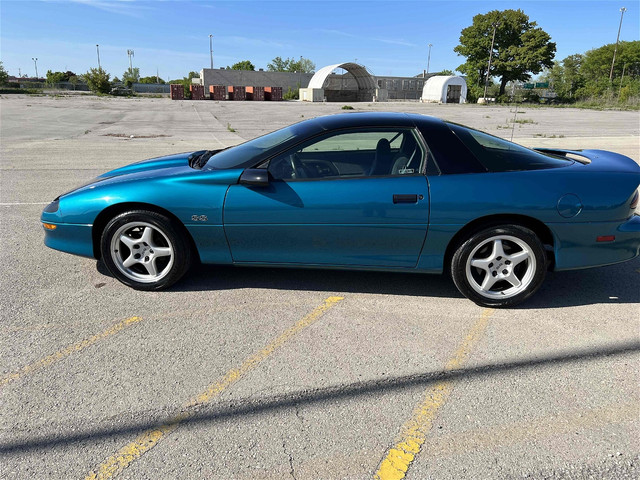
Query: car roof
369, 119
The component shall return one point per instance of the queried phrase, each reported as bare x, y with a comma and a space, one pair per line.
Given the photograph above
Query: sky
389, 37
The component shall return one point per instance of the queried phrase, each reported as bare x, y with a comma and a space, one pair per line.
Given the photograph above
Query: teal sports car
378, 191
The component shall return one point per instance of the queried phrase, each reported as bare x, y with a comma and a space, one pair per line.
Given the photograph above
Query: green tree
151, 79
304, 65
58, 77
131, 76
74, 80
98, 80
521, 48
55, 77
243, 65
565, 77
4, 75
445, 72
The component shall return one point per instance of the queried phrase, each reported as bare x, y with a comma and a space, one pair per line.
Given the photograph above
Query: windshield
499, 155
249, 153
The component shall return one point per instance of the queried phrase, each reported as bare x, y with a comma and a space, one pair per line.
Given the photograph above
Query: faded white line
25, 203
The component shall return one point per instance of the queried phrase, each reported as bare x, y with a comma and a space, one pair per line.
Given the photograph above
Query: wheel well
539, 228
108, 213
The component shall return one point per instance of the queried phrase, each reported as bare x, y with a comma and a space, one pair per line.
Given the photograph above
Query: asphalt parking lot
250, 373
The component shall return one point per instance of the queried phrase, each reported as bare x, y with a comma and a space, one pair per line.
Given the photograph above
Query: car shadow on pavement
240, 408
604, 285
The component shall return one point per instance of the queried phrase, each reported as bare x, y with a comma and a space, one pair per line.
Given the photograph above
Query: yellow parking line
414, 432
65, 352
150, 438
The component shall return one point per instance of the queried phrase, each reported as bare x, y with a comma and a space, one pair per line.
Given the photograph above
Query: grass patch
347, 107
523, 121
230, 128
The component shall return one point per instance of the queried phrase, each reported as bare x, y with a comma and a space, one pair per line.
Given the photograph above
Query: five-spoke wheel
500, 266
144, 250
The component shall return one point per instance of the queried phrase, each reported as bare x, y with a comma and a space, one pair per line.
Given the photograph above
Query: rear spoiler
600, 160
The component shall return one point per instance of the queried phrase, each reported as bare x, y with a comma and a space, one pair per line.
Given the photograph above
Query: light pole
130, 53
429, 58
211, 49
615, 50
486, 80
98, 51
35, 62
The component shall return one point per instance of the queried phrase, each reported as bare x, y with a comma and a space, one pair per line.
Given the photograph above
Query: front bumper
576, 246
70, 238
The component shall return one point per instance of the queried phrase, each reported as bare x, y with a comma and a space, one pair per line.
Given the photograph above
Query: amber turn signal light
49, 226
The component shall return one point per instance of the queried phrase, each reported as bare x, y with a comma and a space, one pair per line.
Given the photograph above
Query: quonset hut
445, 89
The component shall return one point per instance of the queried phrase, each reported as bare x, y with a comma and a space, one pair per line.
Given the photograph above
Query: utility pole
35, 62
157, 76
615, 50
211, 49
428, 59
486, 80
624, 66
130, 54
98, 50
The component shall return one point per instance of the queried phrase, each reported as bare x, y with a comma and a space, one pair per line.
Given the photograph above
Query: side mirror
256, 177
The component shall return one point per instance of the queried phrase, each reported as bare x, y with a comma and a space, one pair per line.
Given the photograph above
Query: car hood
158, 163
167, 166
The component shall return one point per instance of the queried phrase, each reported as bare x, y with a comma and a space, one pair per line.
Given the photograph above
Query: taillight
634, 200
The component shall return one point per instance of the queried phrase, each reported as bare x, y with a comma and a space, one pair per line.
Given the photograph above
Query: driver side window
353, 153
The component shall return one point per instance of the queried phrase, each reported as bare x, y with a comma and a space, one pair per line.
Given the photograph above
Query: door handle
402, 198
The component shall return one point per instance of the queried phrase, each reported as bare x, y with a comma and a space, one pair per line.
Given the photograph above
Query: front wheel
145, 250
499, 267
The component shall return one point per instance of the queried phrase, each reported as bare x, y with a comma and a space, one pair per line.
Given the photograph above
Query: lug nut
494, 273
507, 262
504, 272
491, 265
146, 259
136, 246
136, 256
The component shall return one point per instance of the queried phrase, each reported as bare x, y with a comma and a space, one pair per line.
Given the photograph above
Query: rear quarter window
499, 155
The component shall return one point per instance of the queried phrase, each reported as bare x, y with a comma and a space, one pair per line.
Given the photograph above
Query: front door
357, 197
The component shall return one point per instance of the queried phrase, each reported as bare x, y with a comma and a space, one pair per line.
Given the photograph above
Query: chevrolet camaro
378, 191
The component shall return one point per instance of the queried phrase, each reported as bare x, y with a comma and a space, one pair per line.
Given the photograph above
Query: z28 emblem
199, 218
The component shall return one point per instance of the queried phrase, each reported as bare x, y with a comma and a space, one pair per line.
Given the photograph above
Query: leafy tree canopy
243, 65
4, 75
304, 65
58, 77
587, 75
521, 48
131, 76
151, 79
98, 80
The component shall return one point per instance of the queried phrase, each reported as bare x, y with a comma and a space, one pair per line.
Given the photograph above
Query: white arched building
445, 89
359, 85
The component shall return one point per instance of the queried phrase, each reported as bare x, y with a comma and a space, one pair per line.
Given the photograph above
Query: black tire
502, 257
145, 250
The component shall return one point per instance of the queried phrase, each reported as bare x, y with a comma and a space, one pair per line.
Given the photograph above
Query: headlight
53, 206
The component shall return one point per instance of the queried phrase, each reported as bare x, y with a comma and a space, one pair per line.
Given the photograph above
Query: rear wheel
145, 250
500, 266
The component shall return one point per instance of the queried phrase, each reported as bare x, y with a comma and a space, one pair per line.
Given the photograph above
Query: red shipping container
237, 93
177, 91
197, 92
258, 93
217, 92
273, 93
